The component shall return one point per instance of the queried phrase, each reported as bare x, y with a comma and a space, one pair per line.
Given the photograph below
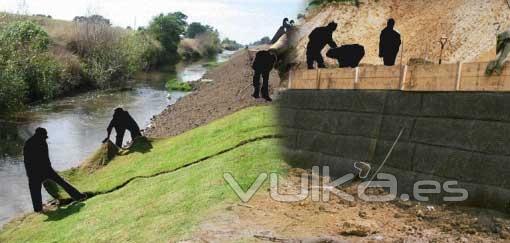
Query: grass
166, 207
211, 64
176, 85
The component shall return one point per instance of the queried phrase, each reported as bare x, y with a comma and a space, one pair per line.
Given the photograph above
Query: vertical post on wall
356, 77
402, 52
459, 76
403, 76
318, 78
289, 85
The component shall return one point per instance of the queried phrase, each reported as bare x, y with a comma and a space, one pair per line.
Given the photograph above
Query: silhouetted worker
38, 168
347, 55
262, 66
389, 44
281, 31
286, 24
318, 39
121, 121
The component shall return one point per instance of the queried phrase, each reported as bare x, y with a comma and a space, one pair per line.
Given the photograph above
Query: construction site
435, 127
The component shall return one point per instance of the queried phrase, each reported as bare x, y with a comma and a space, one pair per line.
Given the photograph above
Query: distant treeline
42, 58
230, 45
313, 3
264, 41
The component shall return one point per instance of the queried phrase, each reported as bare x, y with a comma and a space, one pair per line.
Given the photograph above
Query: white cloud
242, 20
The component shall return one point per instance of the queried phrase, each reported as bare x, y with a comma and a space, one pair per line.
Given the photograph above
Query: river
76, 126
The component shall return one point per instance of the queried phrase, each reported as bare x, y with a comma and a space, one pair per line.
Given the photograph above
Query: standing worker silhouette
39, 170
262, 66
318, 39
389, 44
121, 121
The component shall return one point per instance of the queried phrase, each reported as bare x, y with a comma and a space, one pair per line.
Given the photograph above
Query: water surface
76, 126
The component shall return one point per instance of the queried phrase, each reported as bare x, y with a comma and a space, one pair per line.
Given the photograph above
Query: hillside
61, 32
471, 27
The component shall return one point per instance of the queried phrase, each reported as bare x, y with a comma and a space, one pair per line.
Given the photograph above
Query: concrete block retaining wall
463, 136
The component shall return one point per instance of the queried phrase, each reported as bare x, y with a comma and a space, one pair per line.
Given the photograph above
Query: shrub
42, 74
24, 56
204, 45
23, 36
104, 62
13, 89
106, 68
141, 51
175, 85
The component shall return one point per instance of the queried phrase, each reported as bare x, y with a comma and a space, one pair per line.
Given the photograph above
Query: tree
167, 29
196, 28
93, 19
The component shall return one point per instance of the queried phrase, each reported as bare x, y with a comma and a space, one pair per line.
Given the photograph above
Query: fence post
403, 76
356, 77
318, 78
459, 76
289, 85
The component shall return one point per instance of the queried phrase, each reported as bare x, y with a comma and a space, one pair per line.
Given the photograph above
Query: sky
242, 20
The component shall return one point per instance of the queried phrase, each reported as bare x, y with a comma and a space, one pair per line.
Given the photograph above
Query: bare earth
265, 220
229, 90
470, 25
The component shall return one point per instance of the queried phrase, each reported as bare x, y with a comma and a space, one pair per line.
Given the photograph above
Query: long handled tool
387, 156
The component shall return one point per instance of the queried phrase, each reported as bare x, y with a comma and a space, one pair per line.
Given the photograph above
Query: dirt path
228, 90
265, 220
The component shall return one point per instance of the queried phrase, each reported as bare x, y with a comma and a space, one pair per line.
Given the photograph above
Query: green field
169, 201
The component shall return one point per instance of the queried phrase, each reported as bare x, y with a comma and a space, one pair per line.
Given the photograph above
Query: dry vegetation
79, 56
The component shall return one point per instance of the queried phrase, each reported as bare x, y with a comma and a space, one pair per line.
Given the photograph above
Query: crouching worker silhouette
262, 66
39, 170
318, 39
121, 121
347, 55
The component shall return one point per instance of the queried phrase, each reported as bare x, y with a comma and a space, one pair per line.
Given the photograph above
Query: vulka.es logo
321, 190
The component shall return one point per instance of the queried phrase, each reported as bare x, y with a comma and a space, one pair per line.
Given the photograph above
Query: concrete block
357, 101
392, 125
452, 133
467, 105
403, 103
400, 158
444, 162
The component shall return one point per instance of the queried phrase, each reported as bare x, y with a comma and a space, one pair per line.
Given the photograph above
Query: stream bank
76, 127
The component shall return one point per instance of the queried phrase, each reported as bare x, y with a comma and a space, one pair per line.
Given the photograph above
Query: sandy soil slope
470, 25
